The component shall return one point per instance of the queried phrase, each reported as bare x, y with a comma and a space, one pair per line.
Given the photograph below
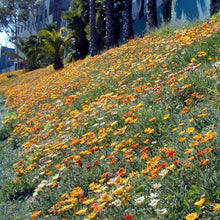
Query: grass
129, 134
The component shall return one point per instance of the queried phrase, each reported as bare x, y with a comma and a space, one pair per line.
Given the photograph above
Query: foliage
30, 53
130, 134
78, 21
54, 43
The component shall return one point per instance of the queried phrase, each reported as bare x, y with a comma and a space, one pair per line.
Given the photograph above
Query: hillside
128, 134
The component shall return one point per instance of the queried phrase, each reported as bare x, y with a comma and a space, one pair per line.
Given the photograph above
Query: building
5, 65
49, 11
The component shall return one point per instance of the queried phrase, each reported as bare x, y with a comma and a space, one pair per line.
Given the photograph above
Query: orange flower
185, 110
171, 153
204, 162
194, 144
146, 141
181, 139
35, 214
198, 136
186, 164
152, 119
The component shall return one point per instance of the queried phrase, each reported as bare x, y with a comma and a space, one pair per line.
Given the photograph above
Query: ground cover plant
128, 134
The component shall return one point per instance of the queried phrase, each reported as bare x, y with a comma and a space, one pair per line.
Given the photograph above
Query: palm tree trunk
141, 13
58, 63
151, 14
128, 24
110, 38
92, 21
214, 6
167, 6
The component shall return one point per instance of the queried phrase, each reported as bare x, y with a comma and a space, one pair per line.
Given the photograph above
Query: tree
13, 12
128, 24
54, 44
110, 25
92, 22
77, 20
214, 6
151, 14
30, 53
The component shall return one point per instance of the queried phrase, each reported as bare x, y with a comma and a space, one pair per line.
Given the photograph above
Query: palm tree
151, 14
127, 26
55, 44
110, 38
214, 6
29, 52
92, 22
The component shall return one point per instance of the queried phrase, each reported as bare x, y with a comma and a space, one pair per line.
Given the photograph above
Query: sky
4, 41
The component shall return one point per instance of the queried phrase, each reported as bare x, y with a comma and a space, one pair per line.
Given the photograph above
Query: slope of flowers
131, 133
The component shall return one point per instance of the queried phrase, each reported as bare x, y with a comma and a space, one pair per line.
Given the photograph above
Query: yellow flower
170, 167
105, 197
192, 216
128, 187
216, 207
118, 191
149, 130
200, 202
188, 151
165, 117
190, 130
92, 214
88, 201
80, 212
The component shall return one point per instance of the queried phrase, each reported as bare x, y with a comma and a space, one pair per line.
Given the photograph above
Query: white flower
139, 200
35, 193
157, 185
154, 203
116, 202
42, 184
161, 211
56, 176
163, 172
217, 64
153, 195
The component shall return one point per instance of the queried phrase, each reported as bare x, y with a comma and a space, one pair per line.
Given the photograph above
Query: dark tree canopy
214, 6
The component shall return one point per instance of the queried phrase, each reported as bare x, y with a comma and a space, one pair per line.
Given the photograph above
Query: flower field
132, 133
